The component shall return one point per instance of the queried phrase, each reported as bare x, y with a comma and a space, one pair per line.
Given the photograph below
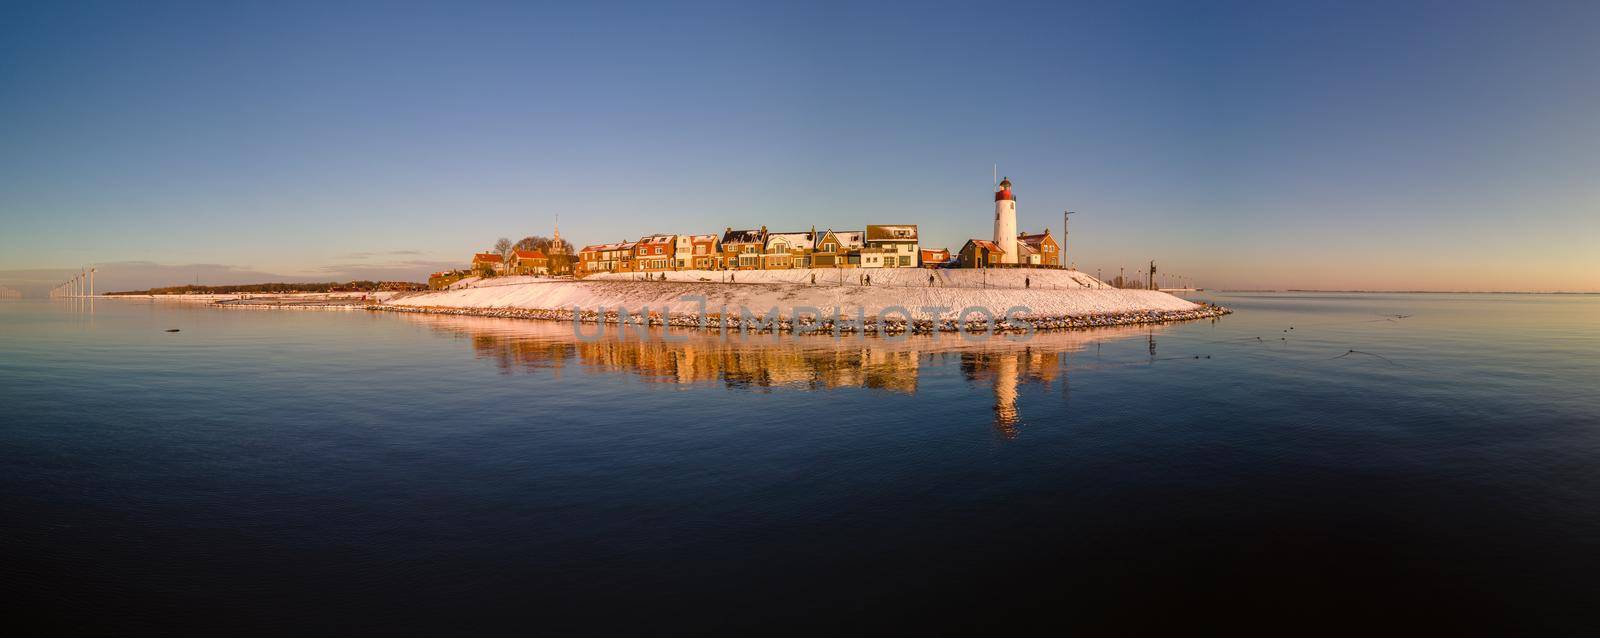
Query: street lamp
1065, 217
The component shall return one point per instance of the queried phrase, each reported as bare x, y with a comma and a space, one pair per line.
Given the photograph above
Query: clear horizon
1431, 146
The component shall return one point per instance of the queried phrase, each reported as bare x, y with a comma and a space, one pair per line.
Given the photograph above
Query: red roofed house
654, 253
625, 260
981, 253
530, 262
602, 258
490, 261
935, 257
1046, 251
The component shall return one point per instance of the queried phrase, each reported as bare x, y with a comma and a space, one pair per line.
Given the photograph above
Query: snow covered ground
1045, 293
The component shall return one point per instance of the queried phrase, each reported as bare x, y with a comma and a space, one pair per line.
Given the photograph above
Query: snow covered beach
895, 300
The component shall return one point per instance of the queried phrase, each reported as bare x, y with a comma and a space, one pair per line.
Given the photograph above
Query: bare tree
503, 247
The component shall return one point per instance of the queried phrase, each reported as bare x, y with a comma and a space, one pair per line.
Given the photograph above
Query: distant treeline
351, 286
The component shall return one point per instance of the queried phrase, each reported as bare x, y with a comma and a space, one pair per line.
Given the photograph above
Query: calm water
333, 471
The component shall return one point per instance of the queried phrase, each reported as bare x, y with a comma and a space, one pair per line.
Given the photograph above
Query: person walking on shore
1027, 283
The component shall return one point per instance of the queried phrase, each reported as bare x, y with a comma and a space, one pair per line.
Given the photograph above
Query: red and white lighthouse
1005, 221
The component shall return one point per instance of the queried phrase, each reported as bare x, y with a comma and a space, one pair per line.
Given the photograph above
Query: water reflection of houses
754, 365
763, 363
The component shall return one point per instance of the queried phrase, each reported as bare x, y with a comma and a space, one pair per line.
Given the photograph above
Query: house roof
985, 244
801, 239
751, 236
1026, 249
530, 254
935, 251
651, 240
848, 239
891, 232
486, 257
1035, 240
700, 238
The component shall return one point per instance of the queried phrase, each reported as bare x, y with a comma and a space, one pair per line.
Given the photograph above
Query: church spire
555, 238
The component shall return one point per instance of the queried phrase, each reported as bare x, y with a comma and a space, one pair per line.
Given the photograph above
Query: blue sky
1449, 145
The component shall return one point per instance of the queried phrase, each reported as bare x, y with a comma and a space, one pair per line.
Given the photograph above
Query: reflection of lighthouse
1005, 221
1005, 394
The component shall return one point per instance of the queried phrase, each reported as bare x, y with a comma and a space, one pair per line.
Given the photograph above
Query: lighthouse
1005, 221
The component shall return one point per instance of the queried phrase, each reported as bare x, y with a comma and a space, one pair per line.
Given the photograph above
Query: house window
905, 261
829, 247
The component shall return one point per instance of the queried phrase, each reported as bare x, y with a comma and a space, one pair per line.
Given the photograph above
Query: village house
589, 260
702, 252
837, 249
935, 257
653, 253
890, 246
625, 258
785, 251
682, 252
1026, 255
529, 262
981, 253
488, 261
742, 249
440, 280
602, 258
1046, 252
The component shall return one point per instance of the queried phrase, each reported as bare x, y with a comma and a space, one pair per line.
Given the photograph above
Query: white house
895, 246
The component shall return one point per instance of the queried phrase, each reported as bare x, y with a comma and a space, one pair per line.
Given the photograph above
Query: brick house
654, 253
441, 280
529, 262
601, 258
491, 261
980, 253
1046, 251
837, 249
785, 251
626, 261
742, 249
702, 252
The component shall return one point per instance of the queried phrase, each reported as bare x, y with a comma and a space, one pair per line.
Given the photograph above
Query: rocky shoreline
825, 325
